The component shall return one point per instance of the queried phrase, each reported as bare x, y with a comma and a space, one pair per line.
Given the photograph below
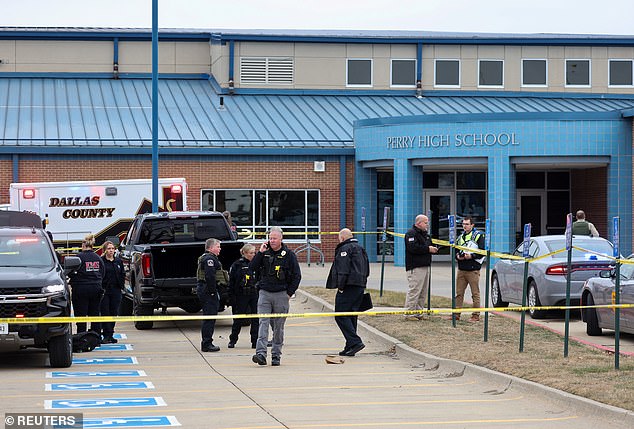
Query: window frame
392, 85
566, 85
436, 60
356, 85
631, 61
311, 231
480, 61
533, 85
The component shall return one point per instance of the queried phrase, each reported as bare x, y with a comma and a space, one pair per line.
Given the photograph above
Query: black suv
33, 284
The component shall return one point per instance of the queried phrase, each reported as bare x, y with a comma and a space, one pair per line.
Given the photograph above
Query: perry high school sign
455, 140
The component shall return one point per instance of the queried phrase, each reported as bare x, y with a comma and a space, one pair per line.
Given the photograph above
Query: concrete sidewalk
394, 279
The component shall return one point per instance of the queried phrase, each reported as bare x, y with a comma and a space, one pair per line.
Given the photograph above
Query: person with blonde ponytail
86, 285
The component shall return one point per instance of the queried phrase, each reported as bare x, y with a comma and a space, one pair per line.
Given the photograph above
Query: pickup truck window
157, 231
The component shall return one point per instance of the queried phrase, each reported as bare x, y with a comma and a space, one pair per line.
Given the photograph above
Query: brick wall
589, 193
204, 174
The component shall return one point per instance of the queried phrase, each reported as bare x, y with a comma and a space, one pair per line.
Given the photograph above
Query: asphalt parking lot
158, 378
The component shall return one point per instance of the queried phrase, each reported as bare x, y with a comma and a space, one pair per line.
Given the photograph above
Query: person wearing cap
349, 275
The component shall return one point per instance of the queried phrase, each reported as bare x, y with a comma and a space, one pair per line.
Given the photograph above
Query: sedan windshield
24, 251
594, 249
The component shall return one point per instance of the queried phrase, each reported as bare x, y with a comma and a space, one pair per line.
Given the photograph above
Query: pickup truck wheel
142, 310
592, 321
60, 350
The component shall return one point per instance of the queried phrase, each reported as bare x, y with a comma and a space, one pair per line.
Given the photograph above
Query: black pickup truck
33, 283
160, 254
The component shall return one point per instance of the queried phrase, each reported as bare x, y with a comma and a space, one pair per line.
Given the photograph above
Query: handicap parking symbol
76, 404
127, 360
115, 385
128, 422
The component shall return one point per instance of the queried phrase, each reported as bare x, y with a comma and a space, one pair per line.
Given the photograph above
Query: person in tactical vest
278, 273
243, 295
582, 227
469, 265
207, 290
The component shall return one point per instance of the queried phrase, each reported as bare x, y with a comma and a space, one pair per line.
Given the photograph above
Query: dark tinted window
447, 72
154, 231
534, 72
621, 72
578, 72
404, 72
471, 180
530, 180
360, 72
491, 73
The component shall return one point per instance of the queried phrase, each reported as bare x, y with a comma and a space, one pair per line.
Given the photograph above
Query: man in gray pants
279, 275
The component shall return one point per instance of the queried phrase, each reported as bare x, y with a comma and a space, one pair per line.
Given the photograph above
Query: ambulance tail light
176, 189
28, 193
146, 264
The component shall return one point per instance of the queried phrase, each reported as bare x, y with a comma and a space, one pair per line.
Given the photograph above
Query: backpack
86, 341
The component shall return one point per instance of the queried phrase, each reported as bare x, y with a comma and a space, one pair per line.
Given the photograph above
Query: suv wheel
60, 350
142, 310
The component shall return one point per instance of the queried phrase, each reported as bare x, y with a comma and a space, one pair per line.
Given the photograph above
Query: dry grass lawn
587, 371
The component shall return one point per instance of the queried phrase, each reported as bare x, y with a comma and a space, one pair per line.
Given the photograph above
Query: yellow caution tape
162, 318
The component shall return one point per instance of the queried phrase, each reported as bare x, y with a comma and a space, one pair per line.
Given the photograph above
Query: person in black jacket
85, 284
207, 291
418, 251
349, 275
278, 274
113, 279
243, 295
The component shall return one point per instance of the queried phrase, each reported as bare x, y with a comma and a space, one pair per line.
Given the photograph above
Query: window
534, 72
577, 72
404, 73
491, 73
620, 72
359, 73
272, 71
447, 73
256, 210
385, 198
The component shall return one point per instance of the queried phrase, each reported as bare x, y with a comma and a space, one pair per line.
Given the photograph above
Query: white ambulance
105, 208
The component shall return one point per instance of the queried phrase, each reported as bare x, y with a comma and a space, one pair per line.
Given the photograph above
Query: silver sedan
547, 276
601, 291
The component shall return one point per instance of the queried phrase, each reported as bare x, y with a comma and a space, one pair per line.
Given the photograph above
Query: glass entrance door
439, 205
531, 209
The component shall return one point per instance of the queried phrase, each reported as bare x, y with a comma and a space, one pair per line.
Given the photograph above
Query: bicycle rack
308, 248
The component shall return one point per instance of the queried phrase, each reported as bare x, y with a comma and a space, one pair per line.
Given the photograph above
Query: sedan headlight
53, 288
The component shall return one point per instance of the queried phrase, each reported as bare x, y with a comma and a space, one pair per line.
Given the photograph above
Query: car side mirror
71, 263
606, 274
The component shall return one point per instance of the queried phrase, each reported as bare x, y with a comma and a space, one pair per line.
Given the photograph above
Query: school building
317, 130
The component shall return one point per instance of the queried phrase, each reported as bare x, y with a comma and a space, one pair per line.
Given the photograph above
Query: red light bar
28, 194
19, 316
176, 189
27, 240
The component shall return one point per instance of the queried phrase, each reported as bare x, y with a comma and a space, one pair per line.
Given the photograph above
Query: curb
455, 367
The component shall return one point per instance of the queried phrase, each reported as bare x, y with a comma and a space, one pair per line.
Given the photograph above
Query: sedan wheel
496, 295
533, 301
592, 321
